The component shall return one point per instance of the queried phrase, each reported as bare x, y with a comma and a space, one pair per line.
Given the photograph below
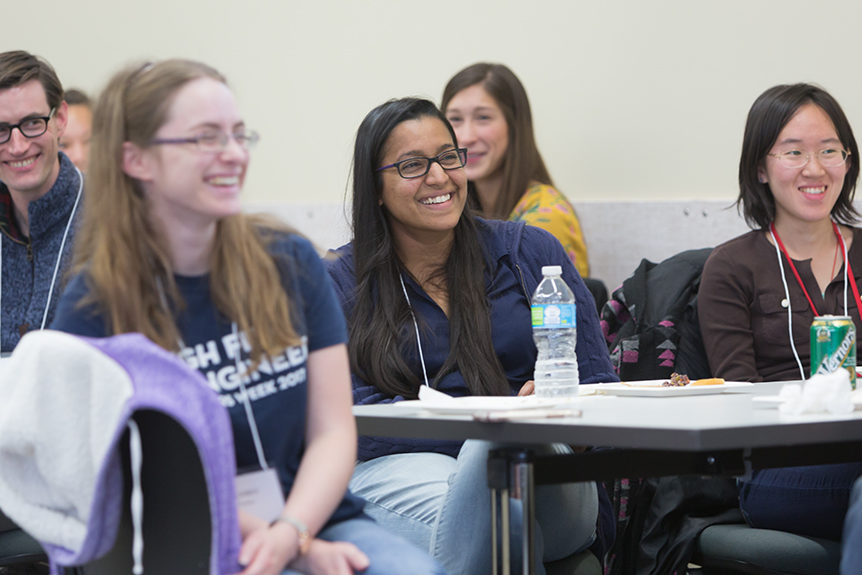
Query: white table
710, 434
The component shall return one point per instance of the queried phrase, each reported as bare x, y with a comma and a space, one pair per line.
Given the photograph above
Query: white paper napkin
428, 393
822, 393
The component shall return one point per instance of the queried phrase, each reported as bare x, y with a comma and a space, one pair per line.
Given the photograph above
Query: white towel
60, 403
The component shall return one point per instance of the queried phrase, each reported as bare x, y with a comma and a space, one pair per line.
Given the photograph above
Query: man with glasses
40, 193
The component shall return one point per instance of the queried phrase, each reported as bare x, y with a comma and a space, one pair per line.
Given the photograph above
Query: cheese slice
710, 381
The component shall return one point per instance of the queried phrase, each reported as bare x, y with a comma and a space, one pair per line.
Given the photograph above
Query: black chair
598, 290
17, 548
740, 549
20, 553
583, 563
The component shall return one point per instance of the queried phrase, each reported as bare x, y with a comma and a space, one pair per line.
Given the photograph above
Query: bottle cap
552, 270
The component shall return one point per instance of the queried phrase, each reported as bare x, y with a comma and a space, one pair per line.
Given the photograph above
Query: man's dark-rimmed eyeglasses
31, 127
418, 166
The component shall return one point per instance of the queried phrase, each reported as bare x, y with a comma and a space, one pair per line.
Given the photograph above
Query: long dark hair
768, 115
523, 163
381, 329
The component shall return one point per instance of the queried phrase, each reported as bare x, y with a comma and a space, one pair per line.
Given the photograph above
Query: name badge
259, 493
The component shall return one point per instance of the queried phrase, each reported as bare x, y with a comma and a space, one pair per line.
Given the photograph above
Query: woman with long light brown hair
166, 251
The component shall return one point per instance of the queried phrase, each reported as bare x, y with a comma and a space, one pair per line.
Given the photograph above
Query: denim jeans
387, 553
810, 500
443, 504
851, 546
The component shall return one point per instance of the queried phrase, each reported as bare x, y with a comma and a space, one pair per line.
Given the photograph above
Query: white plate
654, 388
474, 403
766, 401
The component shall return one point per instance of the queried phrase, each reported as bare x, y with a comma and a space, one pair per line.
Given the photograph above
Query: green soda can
833, 345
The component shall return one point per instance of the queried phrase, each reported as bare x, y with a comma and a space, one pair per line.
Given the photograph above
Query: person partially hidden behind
488, 108
760, 292
40, 190
75, 141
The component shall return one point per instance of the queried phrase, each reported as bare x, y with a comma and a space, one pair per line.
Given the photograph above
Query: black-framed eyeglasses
417, 167
213, 141
31, 127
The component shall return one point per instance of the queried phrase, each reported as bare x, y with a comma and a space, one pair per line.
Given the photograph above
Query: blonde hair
122, 254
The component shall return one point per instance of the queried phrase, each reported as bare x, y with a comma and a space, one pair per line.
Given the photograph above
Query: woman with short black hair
760, 292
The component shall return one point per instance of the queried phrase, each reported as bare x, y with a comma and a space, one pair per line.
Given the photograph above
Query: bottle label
553, 315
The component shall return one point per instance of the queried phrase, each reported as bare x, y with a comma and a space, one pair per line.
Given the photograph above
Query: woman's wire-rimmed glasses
828, 157
418, 166
213, 141
31, 127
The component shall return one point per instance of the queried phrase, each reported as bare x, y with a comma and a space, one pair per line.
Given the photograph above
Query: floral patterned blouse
545, 207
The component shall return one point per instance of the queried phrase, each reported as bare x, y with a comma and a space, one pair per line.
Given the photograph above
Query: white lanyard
790, 308
249, 412
241, 374
56, 266
416, 327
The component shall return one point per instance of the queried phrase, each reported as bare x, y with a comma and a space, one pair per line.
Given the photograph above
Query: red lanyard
799, 279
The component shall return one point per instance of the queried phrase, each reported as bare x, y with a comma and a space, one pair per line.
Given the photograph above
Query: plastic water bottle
555, 334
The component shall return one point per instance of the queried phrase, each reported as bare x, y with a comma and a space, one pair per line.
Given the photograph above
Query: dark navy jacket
517, 253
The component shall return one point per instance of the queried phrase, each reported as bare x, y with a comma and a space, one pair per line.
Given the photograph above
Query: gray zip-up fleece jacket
27, 269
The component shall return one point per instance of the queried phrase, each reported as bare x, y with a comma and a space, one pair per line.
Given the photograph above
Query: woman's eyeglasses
213, 141
828, 157
420, 165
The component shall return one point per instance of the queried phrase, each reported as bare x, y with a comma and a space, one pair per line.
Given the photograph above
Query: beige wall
633, 99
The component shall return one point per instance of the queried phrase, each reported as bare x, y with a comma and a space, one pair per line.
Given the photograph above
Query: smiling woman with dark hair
436, 296
760, 292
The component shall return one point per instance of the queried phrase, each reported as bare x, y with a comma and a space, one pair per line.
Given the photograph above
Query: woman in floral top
488, 107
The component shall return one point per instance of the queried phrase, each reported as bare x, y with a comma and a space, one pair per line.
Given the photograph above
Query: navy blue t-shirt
278, 387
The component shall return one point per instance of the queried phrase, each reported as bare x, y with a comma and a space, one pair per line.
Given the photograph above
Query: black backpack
650, 323
651, 327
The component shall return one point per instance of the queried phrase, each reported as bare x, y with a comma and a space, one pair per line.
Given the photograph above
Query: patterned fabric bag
650, 321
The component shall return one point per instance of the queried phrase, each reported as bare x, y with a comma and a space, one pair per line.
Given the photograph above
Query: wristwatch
301, 529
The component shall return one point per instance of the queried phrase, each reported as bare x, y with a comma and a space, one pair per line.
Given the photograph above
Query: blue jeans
387, 553
443, 504
851, 545
810, 500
